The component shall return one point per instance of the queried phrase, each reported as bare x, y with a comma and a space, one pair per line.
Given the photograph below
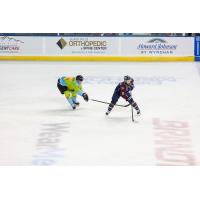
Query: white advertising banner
18, 46
82, 46
155, 46
96, 46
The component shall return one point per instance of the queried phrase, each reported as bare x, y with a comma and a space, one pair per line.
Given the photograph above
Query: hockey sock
74, 100
71, 102
134, 104
110, 107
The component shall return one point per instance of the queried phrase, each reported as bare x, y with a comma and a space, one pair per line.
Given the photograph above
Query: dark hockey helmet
126, 78
79, 78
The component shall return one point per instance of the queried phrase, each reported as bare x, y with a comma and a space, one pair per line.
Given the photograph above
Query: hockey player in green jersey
71, 87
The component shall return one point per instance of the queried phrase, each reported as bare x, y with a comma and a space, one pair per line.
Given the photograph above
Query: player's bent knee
68, 94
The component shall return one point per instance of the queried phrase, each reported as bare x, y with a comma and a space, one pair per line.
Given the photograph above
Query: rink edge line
99, 58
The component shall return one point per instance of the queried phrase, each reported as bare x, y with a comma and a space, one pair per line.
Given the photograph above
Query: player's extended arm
80, 92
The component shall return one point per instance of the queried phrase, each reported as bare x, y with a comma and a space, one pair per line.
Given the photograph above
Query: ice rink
38, 127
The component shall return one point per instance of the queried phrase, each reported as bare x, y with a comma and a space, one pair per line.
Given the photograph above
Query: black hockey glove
85, 97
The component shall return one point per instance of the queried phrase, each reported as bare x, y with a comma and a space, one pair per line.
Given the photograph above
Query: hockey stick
109, 103
132, 114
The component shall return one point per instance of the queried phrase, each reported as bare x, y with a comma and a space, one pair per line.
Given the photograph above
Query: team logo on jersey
61, 43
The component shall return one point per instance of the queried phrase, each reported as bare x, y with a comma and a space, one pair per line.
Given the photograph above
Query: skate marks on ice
114, 118
64, 112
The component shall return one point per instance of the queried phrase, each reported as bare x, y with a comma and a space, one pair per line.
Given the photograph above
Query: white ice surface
38, 127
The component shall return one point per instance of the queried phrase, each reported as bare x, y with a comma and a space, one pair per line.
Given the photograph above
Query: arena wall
55, 48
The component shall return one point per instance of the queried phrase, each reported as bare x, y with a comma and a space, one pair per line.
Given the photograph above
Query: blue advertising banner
197, 48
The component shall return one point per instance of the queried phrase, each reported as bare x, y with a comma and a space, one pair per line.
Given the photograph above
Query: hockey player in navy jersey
123, 90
